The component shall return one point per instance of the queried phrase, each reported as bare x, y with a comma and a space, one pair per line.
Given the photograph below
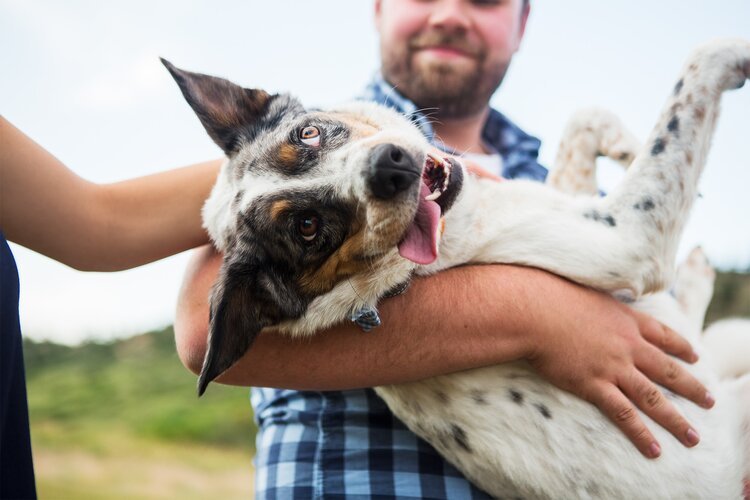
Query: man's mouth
440, 183
445, 51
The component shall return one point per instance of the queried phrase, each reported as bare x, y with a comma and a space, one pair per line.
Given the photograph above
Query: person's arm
580, 340
46, 207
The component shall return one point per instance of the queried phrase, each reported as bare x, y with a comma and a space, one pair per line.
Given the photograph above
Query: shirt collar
499, 132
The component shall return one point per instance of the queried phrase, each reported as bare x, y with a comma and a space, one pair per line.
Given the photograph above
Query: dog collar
366, 317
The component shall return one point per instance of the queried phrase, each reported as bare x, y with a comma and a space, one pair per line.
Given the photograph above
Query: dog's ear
223, 108
247, 297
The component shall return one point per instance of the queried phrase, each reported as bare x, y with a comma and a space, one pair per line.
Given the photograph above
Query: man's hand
613, 357
628, 359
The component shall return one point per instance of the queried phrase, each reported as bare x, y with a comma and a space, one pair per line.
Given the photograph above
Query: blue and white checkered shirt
339, 444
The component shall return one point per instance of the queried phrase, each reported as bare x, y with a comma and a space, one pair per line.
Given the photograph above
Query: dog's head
305, 200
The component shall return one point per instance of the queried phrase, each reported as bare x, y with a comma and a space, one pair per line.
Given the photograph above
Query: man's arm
582, 341
46, 207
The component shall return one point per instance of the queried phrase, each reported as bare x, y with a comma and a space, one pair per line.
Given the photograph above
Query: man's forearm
445, 323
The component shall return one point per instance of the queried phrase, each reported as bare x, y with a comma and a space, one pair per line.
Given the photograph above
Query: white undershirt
490, 162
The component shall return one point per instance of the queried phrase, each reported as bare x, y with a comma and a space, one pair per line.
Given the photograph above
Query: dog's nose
391, 171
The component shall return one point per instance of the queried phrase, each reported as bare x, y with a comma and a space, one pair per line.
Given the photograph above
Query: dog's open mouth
436, 176
441, 182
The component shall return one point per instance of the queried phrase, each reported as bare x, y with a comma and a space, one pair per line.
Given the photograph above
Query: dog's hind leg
627, 240
589, 134
661, 185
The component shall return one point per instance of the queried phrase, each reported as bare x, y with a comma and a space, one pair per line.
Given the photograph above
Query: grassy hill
122, 420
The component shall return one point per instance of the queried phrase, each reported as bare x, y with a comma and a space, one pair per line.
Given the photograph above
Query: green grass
122, 420
139, 384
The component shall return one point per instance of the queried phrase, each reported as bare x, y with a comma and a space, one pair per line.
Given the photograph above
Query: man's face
448, 54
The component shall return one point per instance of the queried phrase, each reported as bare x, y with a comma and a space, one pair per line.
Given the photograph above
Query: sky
83, 79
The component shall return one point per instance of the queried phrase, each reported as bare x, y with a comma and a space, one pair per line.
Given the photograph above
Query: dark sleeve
16, 466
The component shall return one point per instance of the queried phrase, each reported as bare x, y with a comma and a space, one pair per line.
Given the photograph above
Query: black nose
391, 171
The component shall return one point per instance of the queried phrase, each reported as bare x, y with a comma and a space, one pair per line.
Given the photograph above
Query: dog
321, 213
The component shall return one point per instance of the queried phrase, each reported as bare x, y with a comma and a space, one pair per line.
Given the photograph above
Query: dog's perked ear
247, 297
223, 108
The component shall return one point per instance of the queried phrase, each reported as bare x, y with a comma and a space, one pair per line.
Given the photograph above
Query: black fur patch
603, 218
516, 396
544, 411
460, 437
479, 397
442, 397
678, 87
397, 290
646, 204
659, 145
674, 126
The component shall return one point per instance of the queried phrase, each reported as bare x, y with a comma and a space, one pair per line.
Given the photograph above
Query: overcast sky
83, 79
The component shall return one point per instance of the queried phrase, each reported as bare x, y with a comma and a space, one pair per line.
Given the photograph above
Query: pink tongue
421, 240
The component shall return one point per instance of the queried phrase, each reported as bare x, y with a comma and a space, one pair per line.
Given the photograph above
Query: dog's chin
441, 183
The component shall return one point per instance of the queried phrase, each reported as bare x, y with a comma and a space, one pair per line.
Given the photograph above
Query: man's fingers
651, 400
667, 339
666, 371
623, 414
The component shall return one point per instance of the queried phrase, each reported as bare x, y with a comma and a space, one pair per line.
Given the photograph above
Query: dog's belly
515, 435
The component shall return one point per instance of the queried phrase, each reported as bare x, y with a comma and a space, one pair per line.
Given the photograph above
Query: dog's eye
310, 136
308, 226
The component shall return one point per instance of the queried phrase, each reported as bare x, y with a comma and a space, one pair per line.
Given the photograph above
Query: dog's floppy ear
222, 107
247, 297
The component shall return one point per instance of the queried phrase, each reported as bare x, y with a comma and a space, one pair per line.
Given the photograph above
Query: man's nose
450, 15
391, 171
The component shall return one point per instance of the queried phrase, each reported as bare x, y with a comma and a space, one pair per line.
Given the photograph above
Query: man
446, 57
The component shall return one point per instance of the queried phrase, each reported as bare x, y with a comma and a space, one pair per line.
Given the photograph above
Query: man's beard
440, 88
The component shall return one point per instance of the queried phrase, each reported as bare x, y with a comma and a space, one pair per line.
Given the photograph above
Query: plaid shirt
347, 443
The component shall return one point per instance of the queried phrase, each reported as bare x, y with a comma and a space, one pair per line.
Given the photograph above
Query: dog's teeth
433, 196
447, 178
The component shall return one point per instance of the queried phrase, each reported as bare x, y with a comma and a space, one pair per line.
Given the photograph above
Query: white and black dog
322, 213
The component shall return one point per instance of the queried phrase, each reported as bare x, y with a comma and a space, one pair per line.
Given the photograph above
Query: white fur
728, 343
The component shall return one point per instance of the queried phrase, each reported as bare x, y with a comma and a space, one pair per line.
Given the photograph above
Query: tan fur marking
278, 208
348, 260
287, 155
699, 113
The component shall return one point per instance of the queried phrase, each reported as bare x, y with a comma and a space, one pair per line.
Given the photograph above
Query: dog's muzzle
392, 171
